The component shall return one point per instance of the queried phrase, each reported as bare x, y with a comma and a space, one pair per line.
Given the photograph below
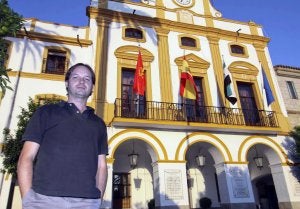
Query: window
5, 52
56, 60
49, 98
133, 34
292, 90
236, 49
133, 106
187, 41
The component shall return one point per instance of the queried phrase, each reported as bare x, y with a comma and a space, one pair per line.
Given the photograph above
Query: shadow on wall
290, 145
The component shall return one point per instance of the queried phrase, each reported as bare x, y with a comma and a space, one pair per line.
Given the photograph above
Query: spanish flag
139, 83
187, 84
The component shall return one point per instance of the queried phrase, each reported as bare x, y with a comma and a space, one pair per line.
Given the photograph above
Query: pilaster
99, 98
217, 66
282, 120
164, 65
253, 28
209, 18
160, 13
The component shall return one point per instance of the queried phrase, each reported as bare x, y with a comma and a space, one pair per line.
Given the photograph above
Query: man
63, 161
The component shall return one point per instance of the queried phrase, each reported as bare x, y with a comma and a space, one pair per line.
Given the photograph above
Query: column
235, 186
170, 185
286, 181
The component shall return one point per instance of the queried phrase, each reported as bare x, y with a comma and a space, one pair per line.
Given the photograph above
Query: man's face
80, 83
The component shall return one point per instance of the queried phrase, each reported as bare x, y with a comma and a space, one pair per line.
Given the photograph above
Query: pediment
240, 67
193, 60
130, 52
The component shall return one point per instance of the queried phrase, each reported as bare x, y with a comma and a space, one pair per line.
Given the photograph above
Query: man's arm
25, 166
101, 177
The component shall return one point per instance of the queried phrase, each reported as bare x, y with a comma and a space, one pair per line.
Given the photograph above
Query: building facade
289, 83
235, 153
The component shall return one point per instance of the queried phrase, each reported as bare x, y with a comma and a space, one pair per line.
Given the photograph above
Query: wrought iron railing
165, 111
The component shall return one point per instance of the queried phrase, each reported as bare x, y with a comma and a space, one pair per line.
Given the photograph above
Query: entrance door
121, 191
267, 194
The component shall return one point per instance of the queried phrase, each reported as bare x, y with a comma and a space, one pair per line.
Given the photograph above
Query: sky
280, 20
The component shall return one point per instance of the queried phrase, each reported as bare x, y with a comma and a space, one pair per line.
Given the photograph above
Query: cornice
288, 73
293, 112
42, 76
129, 18
54, 38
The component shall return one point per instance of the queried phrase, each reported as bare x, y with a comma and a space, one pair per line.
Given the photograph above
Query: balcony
163, 111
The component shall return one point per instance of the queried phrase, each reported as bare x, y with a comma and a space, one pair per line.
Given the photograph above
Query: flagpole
137, 105
138, 95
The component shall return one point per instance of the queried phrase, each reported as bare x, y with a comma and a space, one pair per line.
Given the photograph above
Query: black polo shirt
70, 142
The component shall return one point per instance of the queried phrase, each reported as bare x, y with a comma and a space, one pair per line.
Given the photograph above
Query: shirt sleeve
35, 127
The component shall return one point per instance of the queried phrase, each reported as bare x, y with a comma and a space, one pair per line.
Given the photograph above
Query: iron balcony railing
151, 110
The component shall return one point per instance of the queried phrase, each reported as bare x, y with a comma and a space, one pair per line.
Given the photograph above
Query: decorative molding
42, 76
54, 38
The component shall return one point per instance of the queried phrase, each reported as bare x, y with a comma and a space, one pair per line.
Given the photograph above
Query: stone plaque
173, 184
239, 183
185, 17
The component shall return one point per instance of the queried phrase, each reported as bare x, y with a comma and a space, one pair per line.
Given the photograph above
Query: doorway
121, 191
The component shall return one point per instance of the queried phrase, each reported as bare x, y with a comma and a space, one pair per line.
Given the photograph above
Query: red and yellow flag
187, 84
139, 83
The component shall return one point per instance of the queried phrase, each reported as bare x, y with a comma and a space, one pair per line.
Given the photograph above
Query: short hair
71, 69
